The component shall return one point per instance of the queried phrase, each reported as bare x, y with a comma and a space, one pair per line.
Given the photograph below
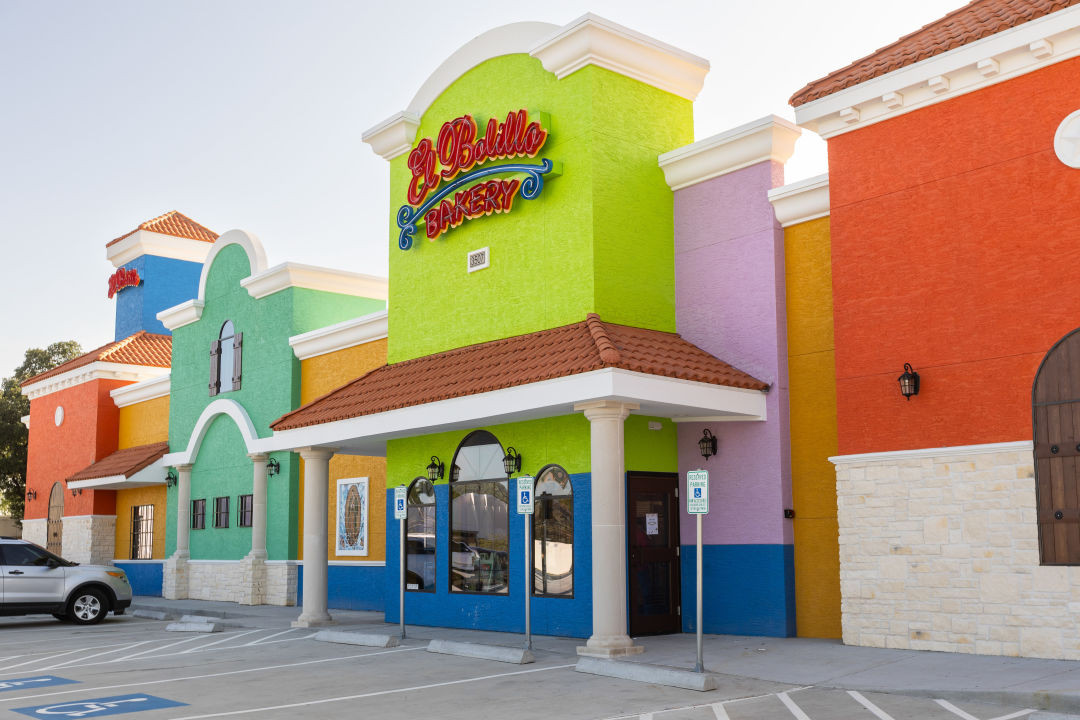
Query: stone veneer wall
939, 551
229, 581
89, 539
36, 531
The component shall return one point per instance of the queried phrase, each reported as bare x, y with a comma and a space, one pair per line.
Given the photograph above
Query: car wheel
87, 607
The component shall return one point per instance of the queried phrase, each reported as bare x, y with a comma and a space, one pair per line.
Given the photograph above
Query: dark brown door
652, 530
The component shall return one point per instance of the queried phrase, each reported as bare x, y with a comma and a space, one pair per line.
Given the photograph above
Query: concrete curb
150, 614
643, 672
1059, 702
177, 610
498, 653
197, 627
355, 638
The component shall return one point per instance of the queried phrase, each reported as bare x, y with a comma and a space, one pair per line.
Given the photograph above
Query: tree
13, 434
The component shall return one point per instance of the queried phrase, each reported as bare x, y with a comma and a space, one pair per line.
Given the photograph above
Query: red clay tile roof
544, 355
175, 224
142, 348
972, 22
125, 462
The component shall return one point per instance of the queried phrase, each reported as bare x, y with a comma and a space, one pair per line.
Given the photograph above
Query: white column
183, 512
258, 502
609, 637
316, 480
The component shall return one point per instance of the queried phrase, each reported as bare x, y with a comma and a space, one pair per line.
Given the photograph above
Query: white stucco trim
654, 394
999, 57
801, 201
151, 389
180, 315
593, 40
340, 336
221, 406
25, 420
357, 563
393, 136
145, 242
957, 450
99, 370
292, 274
149, 476
768, 138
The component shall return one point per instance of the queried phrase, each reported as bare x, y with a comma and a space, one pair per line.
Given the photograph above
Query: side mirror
52, 564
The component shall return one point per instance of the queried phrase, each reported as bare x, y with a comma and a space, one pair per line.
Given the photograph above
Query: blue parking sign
525, 495
98, 707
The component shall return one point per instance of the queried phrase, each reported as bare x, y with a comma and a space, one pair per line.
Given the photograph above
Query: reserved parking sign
525, 495
697, 492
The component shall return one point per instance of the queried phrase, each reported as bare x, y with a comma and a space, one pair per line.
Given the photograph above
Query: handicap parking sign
525, 495
99, 707
399, 503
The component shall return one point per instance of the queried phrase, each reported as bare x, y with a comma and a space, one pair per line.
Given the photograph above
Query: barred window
198, 514
245, 509
142, 532
221, 512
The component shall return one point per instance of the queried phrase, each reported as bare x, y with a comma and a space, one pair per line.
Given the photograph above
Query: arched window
479, 517
55, 527
225, 359
553, 534
1055, 399
420, 537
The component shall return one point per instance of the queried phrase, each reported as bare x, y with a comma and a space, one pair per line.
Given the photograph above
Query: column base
308, 622
253, 579
610, 647
174, 584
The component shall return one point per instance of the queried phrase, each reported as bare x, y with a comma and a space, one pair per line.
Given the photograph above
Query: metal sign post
400, 513
525, 509
697, 503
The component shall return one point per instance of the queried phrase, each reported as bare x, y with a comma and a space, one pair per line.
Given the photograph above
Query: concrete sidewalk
1052, 685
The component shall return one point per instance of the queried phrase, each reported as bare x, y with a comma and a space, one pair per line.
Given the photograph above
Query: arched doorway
1055, 400
55, 528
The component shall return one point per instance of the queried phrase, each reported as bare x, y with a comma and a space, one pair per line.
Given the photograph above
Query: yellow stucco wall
318, 376
812, 377
141, 424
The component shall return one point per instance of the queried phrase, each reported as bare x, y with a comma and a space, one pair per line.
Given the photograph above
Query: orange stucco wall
318, 376
955, 243
88, 433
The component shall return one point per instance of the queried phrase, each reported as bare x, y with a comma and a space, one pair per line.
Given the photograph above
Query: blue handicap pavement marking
32, 683
99, 707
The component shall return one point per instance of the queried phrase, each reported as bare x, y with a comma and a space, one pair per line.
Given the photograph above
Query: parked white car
33, 580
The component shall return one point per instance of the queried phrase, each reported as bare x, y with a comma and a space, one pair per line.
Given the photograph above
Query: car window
25, 555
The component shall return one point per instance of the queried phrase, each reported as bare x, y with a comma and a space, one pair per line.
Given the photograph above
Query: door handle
15, 572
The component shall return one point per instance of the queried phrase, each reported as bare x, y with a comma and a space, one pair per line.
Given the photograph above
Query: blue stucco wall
165, 283
506, 613
746, 589
349, 587
145, 577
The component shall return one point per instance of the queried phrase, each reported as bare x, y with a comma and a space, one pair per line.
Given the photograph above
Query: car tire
87, 607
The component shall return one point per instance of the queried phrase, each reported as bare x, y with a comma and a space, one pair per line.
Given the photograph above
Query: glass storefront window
479, 517
420, 537
553, 534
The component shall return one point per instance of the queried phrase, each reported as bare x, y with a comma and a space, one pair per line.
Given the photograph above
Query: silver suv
33, 580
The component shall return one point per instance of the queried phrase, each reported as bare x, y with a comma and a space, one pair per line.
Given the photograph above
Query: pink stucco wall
729, 300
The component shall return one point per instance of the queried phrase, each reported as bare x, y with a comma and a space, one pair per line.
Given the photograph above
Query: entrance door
55, 527
652, 530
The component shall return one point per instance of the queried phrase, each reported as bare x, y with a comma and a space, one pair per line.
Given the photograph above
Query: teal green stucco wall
270, 387
598, 239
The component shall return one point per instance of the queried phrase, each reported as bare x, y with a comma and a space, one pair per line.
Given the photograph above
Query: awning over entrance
132, 467
540, 374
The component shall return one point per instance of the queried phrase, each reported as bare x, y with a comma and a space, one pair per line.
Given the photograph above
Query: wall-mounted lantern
435, 469
170, 478
511, 461
31, 494
707, 444
273, 467
909, 382
76, 491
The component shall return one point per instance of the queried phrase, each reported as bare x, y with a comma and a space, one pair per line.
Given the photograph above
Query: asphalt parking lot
133, 666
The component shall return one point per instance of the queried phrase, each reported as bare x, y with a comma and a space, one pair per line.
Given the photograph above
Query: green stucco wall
597, 239
270, 387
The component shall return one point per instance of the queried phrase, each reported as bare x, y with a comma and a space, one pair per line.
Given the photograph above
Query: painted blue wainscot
746, 589
145, 576
567, 617
350, 586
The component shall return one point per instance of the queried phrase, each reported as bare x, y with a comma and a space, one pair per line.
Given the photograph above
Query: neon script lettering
123, 278
483, 198
457, 149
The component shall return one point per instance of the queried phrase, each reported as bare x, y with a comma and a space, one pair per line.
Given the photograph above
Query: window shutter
238, 348
215, 367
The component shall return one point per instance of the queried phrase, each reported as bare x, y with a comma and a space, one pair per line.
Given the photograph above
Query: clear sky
248, 114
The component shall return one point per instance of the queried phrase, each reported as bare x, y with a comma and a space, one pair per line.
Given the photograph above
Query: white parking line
376, 693
878, 712
210, 675
256, 642
1018, 713
217, 642
790, 705
35, 660
955, 710
103, 652
720, 712
144, 652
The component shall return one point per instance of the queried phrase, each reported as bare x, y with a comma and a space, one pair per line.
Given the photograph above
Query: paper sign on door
652, 524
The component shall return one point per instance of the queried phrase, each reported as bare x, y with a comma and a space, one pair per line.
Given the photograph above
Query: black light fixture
909, 382
76, 491
511, 461
170, 478
707, 444
31, 494
273, 467
435, 469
